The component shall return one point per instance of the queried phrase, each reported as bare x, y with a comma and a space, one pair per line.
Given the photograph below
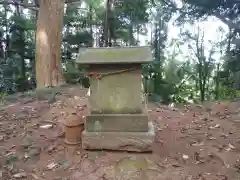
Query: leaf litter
191, 140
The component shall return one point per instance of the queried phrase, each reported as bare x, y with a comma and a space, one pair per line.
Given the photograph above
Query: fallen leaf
237, 165
52, 165
197, 144
224, 135
34, 152
189, 177
176, 165
222, 177
20, 175
159, 129
34, 176
230, 147
198, 158
217, 156
46, 126
211, 138
26, 156
214, 127
185, 157
51, 148
49, 122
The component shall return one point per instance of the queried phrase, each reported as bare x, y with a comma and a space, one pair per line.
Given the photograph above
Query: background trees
189, 67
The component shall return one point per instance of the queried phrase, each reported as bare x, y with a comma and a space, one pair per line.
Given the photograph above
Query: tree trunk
91, 24
106, 24
201, 83
217, 82
6, 55
131, 36
22, 48
48, 43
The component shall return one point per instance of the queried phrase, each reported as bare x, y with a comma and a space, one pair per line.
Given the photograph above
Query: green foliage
71, 74
83, 37
21, 84
75, 74
228, 12
8, 75
167, 79
2, 95
226, 92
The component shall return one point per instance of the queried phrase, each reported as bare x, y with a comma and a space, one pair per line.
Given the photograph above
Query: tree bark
48, 43
106, 24
91, 23
7, 33
22, 48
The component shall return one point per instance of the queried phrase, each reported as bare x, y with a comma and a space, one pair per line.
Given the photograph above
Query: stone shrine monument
118, 119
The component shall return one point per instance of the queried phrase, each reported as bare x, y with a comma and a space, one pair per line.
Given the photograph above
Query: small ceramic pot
74, 125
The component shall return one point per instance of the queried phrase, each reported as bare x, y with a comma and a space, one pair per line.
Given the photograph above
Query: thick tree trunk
48, 43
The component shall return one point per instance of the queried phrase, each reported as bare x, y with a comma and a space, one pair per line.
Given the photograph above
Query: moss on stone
115, 55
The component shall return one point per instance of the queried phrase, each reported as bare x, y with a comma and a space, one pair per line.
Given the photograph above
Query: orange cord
98, 75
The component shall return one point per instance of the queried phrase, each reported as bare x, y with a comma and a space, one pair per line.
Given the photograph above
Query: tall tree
204, 62
227, 11
48, 43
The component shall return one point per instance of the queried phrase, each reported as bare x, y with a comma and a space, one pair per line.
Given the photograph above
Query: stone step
117, 123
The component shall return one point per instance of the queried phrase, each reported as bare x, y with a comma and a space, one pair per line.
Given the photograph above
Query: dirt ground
192, 143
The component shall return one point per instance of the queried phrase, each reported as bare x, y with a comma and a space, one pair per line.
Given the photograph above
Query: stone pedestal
140, 141
117, 119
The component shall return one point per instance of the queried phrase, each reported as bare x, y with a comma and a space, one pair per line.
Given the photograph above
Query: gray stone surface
116, 99
117, 93
117, 123
111, 55
127, 167
123, 141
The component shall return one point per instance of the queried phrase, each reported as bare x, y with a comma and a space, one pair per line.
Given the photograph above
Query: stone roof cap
115, 55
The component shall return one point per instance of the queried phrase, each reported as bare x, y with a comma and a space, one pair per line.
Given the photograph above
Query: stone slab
117, 123
111, 55
117, 93
119, 141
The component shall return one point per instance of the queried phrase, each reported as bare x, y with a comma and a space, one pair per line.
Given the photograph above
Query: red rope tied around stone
98, 75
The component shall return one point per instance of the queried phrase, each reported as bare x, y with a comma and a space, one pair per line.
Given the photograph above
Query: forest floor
193, 142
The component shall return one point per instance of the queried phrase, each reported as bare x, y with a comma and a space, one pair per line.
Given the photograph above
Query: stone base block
117, 123
121, 141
